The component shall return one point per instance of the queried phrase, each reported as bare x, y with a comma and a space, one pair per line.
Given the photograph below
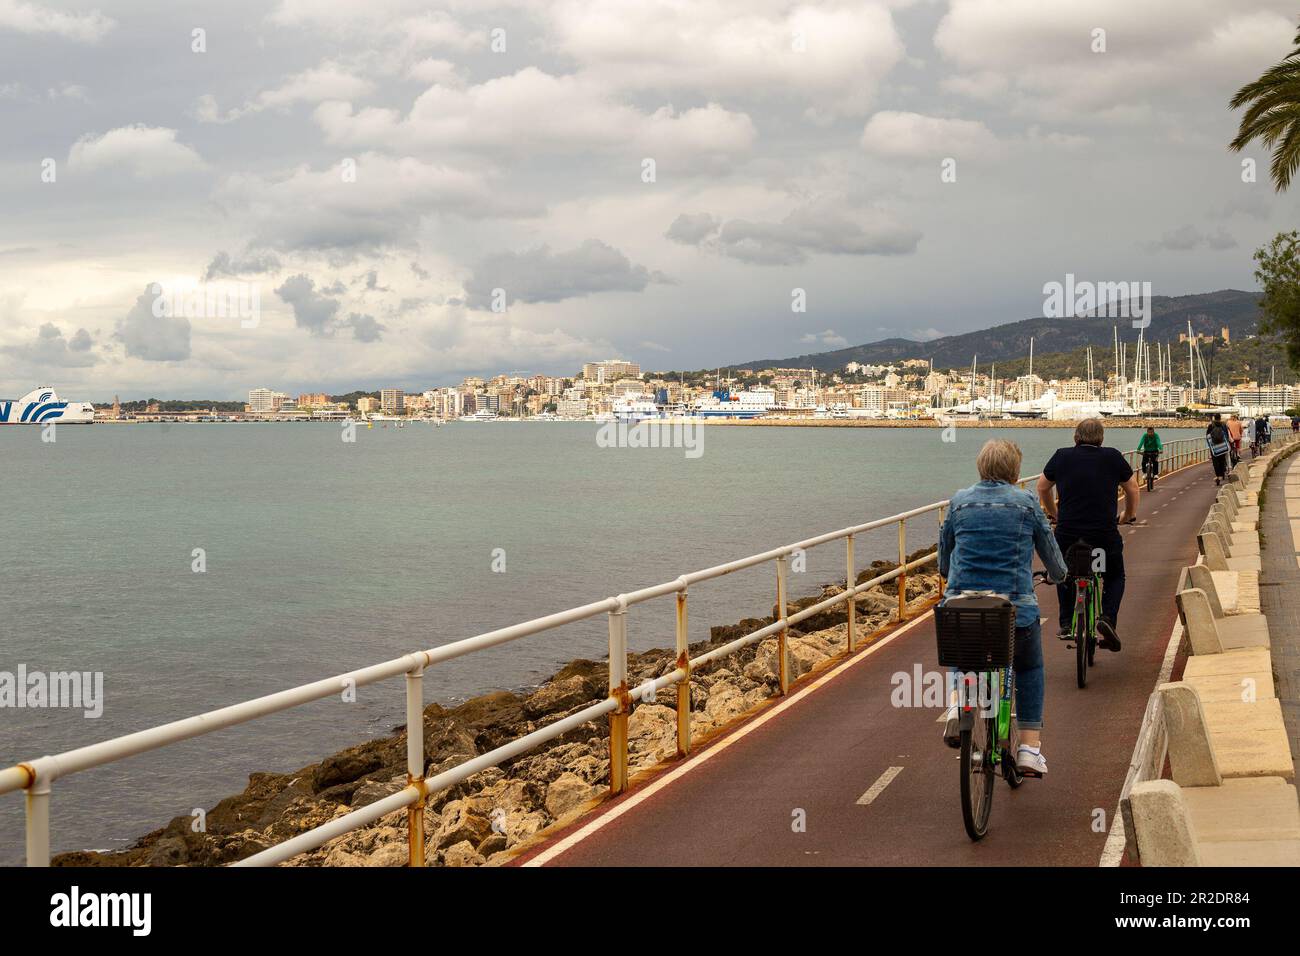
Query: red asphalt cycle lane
820, 756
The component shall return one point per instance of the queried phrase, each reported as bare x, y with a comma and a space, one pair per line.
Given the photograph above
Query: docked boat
635, 408
42, 407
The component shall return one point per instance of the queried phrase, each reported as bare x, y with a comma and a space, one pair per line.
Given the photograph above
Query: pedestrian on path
1216, 436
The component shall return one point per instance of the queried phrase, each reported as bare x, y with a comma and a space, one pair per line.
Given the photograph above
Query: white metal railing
37, 777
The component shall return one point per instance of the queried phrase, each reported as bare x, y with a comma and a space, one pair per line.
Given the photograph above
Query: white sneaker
1030, 761
951, 730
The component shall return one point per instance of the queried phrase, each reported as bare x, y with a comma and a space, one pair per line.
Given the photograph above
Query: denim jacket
987, 543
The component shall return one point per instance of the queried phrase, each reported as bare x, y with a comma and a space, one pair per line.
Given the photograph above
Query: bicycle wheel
977, 776
1081, 638
1151, 479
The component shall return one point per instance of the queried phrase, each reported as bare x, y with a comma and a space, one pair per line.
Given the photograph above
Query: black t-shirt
1087, 480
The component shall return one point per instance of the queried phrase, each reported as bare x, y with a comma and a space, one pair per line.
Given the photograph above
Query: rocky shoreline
496, 813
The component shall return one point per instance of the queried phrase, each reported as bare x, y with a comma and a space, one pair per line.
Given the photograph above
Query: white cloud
34, 18
1039, 57
531, 111
146, 151
821, 226
829, 339
318, 210
329, 81
914, 136
831, 59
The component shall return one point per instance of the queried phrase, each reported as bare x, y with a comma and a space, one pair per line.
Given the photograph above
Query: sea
199, 565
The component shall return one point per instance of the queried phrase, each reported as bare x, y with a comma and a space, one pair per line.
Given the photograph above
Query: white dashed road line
879, 786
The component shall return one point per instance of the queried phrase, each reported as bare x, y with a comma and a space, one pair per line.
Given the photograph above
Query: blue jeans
1028, 665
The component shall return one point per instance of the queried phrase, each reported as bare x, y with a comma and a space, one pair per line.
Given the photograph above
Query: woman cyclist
987, 543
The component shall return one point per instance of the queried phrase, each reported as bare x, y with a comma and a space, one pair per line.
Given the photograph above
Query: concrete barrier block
1191, 753
1196, 612
1164, 827
1249, 739
1200, 576
1249, 809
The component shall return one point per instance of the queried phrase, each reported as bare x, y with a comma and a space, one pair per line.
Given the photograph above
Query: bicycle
1150, 462
1087, 608
976, 634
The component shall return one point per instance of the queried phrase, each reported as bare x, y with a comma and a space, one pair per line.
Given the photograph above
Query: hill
1208, 312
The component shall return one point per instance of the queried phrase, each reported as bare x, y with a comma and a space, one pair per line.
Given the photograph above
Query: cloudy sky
411, 192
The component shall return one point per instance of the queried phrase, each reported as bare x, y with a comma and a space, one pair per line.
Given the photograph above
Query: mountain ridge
1209, 313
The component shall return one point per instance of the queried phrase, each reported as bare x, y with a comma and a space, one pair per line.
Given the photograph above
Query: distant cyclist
1263, 431
1150, 447
987, 543
1235, 431
1295, 424
1088, 479
1216, 436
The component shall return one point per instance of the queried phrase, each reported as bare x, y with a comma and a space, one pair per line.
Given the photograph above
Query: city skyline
367, 178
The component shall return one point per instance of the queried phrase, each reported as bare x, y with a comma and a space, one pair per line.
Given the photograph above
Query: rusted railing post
415, 765
618, 691
782, 641
902, 572
850, 581
684, 685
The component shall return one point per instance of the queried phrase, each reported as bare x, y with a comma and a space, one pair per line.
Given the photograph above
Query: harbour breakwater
497, 813
1159, 424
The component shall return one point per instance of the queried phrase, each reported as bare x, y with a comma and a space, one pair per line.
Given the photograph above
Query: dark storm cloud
540, 275
154, 338
51, 349
250, 263
311, 310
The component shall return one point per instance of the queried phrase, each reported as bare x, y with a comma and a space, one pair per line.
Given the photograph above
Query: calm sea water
323, 556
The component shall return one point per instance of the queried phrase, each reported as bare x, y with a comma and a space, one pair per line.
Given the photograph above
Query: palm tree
1273, 116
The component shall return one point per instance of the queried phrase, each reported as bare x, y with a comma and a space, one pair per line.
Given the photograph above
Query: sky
197, 199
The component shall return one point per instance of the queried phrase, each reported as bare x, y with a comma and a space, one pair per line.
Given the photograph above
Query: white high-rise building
261, 401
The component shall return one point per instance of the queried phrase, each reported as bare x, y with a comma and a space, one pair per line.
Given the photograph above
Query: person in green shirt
1150, 446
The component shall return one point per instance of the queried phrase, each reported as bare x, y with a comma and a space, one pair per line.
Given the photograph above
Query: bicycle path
873, 784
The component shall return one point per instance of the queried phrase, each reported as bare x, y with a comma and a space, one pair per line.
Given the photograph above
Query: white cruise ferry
43, 406
636, 408
725, 404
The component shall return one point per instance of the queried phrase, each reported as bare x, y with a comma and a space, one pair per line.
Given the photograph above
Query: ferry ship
724, 404
42, 406
636, 408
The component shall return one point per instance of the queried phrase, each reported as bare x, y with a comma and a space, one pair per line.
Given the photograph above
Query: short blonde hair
999, 460
1090, 431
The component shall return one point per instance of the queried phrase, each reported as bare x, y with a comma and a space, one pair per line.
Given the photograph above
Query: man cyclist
1263, 431
1235, 431
1150, 447
1087, 479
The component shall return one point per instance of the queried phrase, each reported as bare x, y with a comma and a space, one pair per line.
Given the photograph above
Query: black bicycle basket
976, 632
1078, 559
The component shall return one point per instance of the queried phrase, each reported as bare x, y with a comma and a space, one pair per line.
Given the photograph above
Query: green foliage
1273, 116
1279, 276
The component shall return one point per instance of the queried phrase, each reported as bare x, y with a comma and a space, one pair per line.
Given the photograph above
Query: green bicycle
1087, 608
976, 634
